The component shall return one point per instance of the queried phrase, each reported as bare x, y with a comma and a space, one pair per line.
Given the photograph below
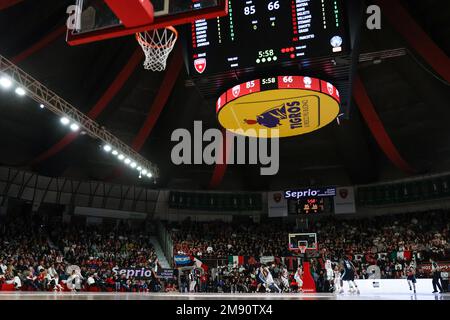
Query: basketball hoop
157, 45
302, 249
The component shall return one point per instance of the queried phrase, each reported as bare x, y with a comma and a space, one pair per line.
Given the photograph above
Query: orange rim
145, 43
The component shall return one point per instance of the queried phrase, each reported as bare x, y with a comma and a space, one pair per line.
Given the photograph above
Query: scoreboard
264, 33
310, 206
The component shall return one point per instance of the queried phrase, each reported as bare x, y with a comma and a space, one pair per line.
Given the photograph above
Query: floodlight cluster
65, 121
7, 83
143, 172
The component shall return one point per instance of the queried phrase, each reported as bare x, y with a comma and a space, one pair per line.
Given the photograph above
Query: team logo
308, 82
330, 88
200, 65
343, 193
270, 118
273, 118
277, 197
236, 90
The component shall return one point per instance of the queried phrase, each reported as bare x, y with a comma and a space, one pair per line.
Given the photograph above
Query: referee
436, 276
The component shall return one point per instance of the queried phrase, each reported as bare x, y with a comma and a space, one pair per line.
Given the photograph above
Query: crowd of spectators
38, 257
424, 232
388, 241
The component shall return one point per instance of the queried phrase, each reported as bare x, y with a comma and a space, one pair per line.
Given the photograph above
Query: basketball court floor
215, 296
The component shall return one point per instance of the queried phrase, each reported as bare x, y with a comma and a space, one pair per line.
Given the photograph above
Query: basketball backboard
302, 239
95, 20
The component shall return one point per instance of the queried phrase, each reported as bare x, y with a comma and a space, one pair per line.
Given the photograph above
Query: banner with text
136, 273
166, 273
426, 267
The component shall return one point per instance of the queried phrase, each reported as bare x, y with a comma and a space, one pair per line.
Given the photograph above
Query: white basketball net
302, 249
157, 45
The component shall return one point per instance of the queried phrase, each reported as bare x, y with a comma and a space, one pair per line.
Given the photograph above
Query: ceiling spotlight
127, 161
139, 168
115, 153
65, 121
133, 165
144, 172
5, 82
377, 61
107, 148
74, 127
149, 175
121, 157
41, 106
20, 91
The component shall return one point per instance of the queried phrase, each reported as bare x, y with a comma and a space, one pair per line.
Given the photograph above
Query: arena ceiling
408, 96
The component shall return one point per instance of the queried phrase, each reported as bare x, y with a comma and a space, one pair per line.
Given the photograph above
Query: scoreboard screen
312, 205
259, 33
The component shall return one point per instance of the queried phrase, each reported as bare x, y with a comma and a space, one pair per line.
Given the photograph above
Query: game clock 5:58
266, 53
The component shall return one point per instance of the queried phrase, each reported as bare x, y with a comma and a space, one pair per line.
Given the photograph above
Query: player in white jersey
411, 276
337, 282
329, 272
269, 282
285, 278
298, 278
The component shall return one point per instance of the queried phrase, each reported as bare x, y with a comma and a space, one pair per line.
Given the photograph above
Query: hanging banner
344, 201
266, 259
277, 204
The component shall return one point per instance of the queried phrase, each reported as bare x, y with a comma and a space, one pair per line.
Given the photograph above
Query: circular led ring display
292, 105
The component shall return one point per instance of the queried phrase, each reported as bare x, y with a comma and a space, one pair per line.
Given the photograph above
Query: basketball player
260, 278
337, 282
329, 273
349, 275
435, 271
298, 278
285, 278
269, 282
411, 276
192, 281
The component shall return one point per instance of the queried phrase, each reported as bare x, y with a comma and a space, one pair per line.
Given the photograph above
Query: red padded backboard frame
158, 22
132, 13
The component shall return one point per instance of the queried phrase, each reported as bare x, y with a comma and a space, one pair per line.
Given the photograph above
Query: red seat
93, 289
7, 287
